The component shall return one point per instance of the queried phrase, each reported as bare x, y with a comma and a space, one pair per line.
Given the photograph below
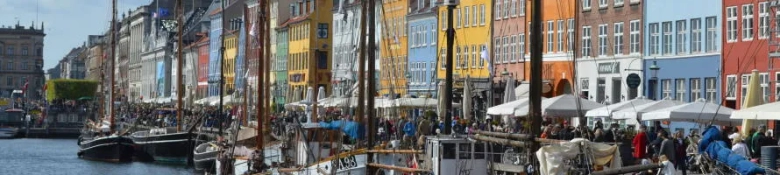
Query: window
497, 52
432, 35
618, 34
777, 86
322, 30
497, 8
465, 57
634, 36
10, 50
443, 53
482, 61
9, 81
25, 66
711, 89
413, 38
731, 22
680, 90
654, 39
506, 49
744, 83
570, 34
586, 4
618, 3
473, 56
10, 65
443, 20
474, 19
512, 52
585, 41
695, 35
667, 38
666, 86
763, 20
521, 7
764, 80
24, 51
681, 43
712, 34
513, 8
695, 89
602, 3
466, 17
559, 39
457, 18
550, 38
482, 14
731, 85
747, 22
521, 47
602, 40
506, 9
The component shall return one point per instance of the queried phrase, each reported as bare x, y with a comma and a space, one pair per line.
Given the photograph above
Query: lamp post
653, 80
408, 83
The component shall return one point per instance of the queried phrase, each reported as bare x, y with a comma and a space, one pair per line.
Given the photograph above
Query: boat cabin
455, 155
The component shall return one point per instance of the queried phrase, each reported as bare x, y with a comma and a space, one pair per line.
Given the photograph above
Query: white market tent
607, 111
699, 111
562, 105
769, 111
637, 111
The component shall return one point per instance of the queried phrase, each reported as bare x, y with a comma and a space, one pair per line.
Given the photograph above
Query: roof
294, 20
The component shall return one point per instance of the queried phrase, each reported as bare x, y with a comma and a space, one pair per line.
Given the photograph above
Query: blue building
422, 46
240, 72
215, 33
687, 49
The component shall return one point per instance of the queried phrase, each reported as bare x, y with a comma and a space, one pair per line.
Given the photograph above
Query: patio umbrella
441, 109
467, 99
320, 100
308, 101
606, 111
637, 111
563, 105
509, 95
769, 111
752, 98
699, 111
507, 108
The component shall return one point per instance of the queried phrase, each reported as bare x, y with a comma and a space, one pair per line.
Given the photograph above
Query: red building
746, 30
203, 67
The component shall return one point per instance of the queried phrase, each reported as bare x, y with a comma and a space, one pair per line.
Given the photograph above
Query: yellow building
309, 35
231, 48
471, 20
393, 51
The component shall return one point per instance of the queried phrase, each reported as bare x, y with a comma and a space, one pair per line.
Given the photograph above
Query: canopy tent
415, 102
607, 111
562, 105
637, 111
769, 111
225, 100
699, 111
508, 108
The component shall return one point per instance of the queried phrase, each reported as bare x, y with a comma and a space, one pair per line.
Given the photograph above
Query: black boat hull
107, 149
203, 159
173, 148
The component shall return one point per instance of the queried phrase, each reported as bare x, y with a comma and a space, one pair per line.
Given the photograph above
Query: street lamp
653, 80
654, 69
408, 82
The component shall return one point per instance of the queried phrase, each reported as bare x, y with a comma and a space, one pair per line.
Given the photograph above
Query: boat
7, 132
204, 156
165, 145
95, 145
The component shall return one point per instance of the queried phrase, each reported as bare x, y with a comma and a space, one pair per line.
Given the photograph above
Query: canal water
58, 156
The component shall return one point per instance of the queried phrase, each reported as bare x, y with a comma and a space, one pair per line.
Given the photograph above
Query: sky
67, 23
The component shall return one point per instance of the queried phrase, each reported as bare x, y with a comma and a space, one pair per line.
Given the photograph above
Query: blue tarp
353, 129
712, 144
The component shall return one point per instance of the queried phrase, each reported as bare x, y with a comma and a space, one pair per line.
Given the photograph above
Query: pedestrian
667, 167
680, 145
739, 147
640, 143
667, 147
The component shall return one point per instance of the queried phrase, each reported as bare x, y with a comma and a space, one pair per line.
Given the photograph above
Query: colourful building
203, 67
471, 20
558, 68
228, 61
308, 46
393, 56
509, 26
423, 31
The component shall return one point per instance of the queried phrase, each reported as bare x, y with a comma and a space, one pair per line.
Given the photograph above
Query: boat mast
371, 79
220, 113
113, 55
260, 73
245, 112
267, 67
448, 69
179, 83
361, 64
535, 98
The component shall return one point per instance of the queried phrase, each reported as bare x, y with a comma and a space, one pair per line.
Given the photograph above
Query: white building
140, 23
346, 40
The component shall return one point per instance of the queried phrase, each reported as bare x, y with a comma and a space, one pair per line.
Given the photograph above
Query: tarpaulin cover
551, 157
716, 149
353, 129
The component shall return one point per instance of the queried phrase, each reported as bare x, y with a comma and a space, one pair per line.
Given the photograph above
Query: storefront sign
609, 68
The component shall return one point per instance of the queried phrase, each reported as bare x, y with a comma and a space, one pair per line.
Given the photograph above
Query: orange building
558, 29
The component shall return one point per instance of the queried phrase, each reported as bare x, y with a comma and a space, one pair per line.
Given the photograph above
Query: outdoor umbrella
637, 111
753, 97
606, 111
563, 105
466, 99
699, 111
441, 109
509, 95
769, 111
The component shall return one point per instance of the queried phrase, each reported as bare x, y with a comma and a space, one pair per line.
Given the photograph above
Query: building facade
346, 37
509, 26
393, 56
281, 93
468, 48
21, 49
140, 25
203, 68
423, 44
310, 41
558, 29
747, 30
674, 42
610, 43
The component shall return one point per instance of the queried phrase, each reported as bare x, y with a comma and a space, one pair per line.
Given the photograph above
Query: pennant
253, 31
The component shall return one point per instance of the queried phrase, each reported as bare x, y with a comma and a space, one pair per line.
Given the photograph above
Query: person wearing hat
739, 147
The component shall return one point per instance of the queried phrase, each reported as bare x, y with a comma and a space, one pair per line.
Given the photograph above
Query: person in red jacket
640, 143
